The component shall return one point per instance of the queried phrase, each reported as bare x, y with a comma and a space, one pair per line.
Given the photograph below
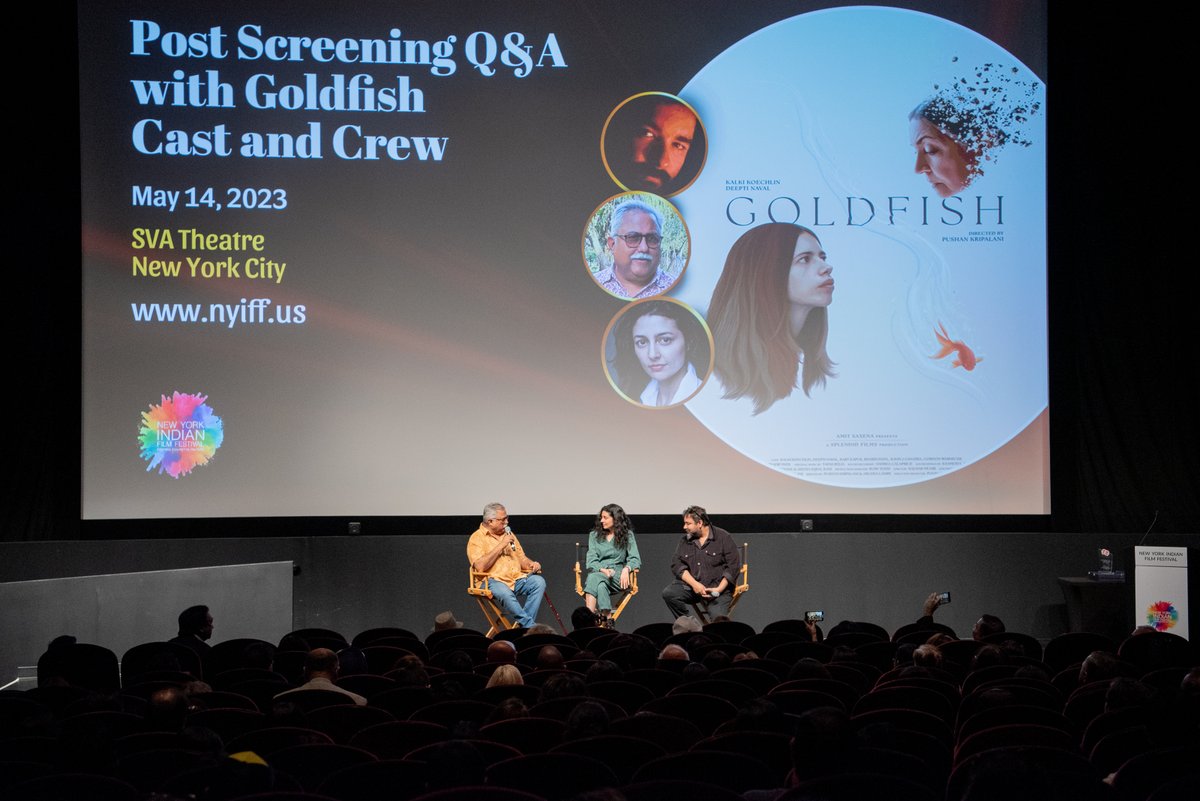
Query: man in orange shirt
494, 549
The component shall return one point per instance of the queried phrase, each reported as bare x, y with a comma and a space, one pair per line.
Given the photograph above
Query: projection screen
403, 258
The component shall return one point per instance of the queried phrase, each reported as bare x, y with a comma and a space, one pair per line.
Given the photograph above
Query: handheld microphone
512, 545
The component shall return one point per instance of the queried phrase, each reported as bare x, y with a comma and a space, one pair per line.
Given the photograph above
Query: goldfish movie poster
927, 196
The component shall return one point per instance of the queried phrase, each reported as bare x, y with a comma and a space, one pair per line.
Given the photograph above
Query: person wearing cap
444, 621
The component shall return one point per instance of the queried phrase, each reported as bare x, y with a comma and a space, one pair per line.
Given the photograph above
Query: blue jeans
531, 588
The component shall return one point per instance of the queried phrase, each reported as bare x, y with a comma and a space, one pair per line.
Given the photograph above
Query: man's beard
646, 177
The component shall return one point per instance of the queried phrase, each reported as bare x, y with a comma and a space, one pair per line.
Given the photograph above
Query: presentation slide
401, 259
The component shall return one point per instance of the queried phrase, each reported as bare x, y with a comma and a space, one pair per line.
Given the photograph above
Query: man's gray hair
619, 213
491, 509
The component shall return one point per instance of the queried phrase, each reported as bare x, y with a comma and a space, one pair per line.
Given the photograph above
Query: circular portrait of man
653, 142
635, 245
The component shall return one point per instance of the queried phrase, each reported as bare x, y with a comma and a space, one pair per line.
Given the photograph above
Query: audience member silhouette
320, 671
195, 630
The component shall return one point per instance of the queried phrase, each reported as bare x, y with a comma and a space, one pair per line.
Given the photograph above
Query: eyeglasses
635, 239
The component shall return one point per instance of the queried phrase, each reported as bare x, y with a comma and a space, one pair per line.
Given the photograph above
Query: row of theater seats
749, 714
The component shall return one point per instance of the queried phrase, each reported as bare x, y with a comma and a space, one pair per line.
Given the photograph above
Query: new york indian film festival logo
180, 434
1162, 615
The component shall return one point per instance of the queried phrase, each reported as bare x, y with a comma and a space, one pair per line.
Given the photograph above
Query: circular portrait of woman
653, 142
657, 353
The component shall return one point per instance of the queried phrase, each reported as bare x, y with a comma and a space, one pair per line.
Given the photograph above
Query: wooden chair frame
742, 586
628, 594
479, 590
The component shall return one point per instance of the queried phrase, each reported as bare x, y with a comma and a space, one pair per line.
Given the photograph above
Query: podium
1101, 607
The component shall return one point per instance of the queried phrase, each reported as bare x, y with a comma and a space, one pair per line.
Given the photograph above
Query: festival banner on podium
1160, 588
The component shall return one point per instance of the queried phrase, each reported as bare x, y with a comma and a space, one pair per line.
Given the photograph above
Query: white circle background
819, 103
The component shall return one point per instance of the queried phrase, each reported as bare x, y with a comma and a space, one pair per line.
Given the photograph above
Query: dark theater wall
353, 583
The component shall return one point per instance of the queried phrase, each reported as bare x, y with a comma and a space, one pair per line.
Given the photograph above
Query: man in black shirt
705, 566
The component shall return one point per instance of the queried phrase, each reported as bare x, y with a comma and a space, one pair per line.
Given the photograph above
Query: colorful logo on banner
180, 434
1162, 615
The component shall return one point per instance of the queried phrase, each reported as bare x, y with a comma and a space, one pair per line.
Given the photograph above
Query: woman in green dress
612, 553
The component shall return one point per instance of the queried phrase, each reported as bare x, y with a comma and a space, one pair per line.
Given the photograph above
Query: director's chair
627, 594
478, 589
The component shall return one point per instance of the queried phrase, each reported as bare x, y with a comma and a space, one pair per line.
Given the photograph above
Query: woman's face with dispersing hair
939, 158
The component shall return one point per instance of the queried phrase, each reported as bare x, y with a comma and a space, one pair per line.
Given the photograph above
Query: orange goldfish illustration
965, 356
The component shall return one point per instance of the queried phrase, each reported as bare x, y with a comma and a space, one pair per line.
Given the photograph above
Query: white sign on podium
1160, 588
